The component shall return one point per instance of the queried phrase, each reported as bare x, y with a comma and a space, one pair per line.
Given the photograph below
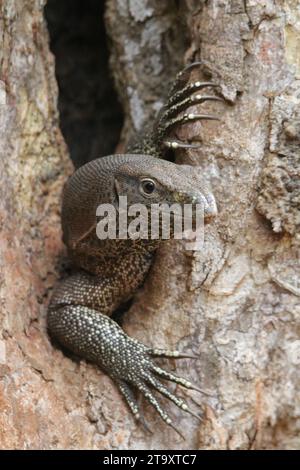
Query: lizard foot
139, 371
146, 379
129, 363
181, 97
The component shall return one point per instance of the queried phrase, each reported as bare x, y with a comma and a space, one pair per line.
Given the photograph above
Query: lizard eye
147, 186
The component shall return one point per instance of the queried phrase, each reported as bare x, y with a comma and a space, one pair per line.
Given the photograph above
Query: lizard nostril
209, 216
210, 208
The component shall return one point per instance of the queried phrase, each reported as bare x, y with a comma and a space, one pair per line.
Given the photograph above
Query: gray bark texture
234, 304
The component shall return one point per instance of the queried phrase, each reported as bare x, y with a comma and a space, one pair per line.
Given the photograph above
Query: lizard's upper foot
182, 97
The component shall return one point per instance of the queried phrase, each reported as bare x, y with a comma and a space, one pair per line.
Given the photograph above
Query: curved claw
171, 354
178, 432
200, 390
175, 144
142, 420
186, 91
192, 65
178, 401
187, 118
196, 117
183, 75
201, 98
187, 68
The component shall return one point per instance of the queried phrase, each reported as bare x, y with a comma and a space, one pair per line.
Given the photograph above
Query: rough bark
235, 304
90, 114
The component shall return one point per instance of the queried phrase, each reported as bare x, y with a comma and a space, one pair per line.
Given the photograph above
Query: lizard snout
208, 202
210, 207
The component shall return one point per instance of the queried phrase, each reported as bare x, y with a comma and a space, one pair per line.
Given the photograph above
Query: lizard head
142, 179
147, 180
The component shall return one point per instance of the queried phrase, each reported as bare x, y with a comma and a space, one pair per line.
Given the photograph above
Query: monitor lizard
110, 271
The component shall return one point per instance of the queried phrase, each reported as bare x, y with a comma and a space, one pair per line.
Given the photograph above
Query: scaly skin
110, 271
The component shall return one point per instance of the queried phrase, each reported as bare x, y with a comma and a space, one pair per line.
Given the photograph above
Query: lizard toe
147, 393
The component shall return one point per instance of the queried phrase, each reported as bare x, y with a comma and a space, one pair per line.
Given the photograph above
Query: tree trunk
234, 304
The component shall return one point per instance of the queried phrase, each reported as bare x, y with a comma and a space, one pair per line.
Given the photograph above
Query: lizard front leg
78, 318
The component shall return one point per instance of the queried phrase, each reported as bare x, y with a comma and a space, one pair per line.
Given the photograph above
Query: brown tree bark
235, 304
